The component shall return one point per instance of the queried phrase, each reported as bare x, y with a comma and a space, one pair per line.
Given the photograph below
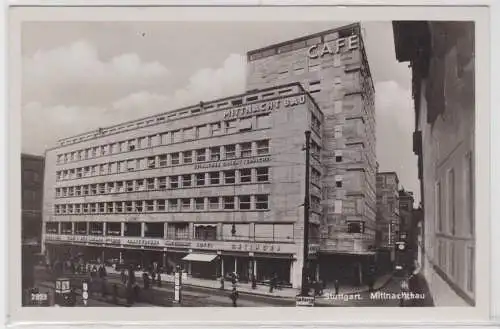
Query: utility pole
305, 267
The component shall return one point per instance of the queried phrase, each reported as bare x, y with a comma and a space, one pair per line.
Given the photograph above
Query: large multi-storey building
388, 218
406, 200
442, 61
333, 67
217, 188
32, 168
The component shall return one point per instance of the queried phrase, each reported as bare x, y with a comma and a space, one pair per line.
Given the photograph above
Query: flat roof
68, 140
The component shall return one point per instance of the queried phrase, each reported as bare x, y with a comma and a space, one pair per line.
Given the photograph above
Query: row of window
241, 202
448, 259
216, 153
227, 177
181, 135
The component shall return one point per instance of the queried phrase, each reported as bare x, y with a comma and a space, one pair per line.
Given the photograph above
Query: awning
200, 257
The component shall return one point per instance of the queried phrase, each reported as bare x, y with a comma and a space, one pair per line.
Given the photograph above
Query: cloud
395, 125
66, 120
79, 62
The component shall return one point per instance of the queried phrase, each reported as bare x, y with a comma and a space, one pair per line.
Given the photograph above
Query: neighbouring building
333, 66
406, 201
441, 56
388, 218
216, 188
32, 170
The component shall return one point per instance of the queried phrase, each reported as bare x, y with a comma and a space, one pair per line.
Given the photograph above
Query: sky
79, 76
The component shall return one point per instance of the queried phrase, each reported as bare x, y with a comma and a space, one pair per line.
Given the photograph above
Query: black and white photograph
247, 164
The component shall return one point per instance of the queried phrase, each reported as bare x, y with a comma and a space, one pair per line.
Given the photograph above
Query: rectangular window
199, 204
93, 208
78, 190
93, 189
174, 159
129, 206
214, 178
245, 175
200, 155
110, 207
85, 190
131, 165
245, 202
111, 187
338, 156
187, 157
151, 183
245, 124
214, 153
139, 185
165, 139
173, 205
102, 208
355, 227
78, 209
151, 162
86, 208
451, 201
130, 186
470, 269
246, 149
160, 204
120, 186
163, 160
174, 181
200, 179
202, 131
469, 194
262, 147
228, 202
162, 183
186, 180
138, 206
231, 126
261, 202
102, 188
176, 136
58, 192
229, 177
119, 207
79, 172
189, 134
186, 204
132, 145
213, 203
216, 129
338, 207
262, 174
438, 206
150, 205
338, 181
230, 151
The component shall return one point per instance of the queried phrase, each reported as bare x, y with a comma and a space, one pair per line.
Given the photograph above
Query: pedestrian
136, 292
145, 278
336, 284
222, 282
254, 281
321, 287
272, 284
158, 277
234, 296
153, 276
123, 277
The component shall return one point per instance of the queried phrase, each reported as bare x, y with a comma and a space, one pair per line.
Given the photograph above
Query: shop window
245, 202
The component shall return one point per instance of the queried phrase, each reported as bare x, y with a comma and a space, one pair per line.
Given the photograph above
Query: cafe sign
233, 163
334, 47
263, 107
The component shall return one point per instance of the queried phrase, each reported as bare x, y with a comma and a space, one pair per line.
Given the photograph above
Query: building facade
32, 171
333, 67
442, 60
388, 219
406, 201
216, 188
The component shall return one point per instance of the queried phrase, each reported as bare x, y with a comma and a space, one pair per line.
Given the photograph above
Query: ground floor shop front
198, 264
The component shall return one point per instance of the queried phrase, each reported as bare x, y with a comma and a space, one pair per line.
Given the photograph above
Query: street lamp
305, 267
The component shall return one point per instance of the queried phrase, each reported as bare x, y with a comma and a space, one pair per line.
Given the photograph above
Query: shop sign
334, 47
179, 244
259, 247
232, 163
263, 107
143, 242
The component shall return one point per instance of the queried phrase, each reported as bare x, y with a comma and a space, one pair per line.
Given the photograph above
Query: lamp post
305, 267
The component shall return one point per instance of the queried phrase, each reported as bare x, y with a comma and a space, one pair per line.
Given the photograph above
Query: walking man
234, 296
336, 284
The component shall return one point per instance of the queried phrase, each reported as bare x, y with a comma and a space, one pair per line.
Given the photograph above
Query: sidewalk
261, 290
